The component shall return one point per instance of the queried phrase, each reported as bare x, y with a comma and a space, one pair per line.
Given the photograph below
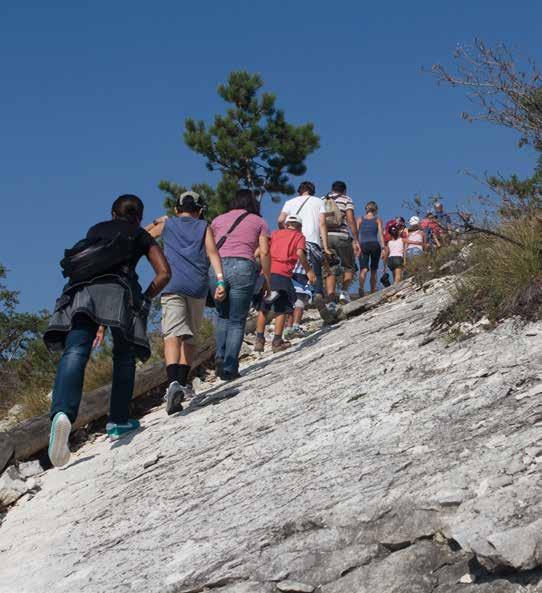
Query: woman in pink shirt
416, 243
395, 253
238, 234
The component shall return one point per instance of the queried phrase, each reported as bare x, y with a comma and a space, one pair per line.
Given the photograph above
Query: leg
373, 280
122, 389
241, 280
347, 280
223, 315
398, 274
297, 316
331, 286
70, 374
362, 276
279, 325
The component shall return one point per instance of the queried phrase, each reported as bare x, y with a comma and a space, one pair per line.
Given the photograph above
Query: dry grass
32, 398
503, 279
443, 262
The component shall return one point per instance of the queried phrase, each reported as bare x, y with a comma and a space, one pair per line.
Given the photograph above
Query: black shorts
372, 252
395, 261
285, 302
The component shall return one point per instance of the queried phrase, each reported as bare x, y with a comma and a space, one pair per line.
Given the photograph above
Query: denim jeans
68, 387
240, 278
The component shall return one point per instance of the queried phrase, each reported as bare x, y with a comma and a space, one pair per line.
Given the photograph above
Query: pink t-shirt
243, 242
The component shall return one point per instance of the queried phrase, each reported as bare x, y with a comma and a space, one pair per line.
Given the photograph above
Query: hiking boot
59, 451
280, 345
344, 298
328, 312
117, 430
174, 397
259, 344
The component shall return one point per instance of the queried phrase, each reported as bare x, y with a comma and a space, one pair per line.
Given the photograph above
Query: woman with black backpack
103, 291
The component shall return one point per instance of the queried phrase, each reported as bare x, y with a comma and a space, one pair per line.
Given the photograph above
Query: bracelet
221, 283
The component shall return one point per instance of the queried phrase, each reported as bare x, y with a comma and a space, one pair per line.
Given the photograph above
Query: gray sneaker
174, 397
189, 392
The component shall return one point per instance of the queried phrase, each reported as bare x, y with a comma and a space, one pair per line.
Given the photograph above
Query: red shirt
284, 246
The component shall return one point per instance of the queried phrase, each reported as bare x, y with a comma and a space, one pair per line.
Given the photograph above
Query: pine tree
252, 145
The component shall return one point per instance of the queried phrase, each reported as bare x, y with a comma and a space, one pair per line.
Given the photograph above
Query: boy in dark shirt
287, 247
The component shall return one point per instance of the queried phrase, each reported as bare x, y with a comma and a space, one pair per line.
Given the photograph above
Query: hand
160, 219
327, 252
220, 293
357, 249
99, 339
312, 277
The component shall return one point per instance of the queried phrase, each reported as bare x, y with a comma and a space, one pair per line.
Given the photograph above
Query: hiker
307, 208
415, 242
189, 246
341, 241
395, 253
103, 291
287, 247
443, 219
371, 243
432, 230
240, 232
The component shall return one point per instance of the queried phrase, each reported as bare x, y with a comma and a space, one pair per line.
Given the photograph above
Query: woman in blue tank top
372, 243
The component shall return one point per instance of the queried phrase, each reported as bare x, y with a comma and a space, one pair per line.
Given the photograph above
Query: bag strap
237, 221
301, 207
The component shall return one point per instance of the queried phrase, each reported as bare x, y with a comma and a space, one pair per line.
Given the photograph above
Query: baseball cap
292, 219
190, 198
414, 220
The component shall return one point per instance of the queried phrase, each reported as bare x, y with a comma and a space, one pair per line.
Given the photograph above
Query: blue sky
94, 96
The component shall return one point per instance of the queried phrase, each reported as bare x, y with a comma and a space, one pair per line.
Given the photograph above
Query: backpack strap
237, 221
302, 205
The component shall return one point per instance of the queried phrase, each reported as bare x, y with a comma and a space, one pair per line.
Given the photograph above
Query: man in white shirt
307, 207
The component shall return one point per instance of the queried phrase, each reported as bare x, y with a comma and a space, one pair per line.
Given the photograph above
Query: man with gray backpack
341, 240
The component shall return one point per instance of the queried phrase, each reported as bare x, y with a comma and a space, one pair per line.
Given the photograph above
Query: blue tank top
368, 233
184, 247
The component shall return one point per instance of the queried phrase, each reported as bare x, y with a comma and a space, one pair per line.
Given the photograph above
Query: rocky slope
369, 458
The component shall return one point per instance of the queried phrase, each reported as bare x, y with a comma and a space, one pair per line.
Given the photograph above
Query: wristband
221, 283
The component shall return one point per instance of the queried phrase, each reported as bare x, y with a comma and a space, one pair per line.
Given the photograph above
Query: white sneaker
344, 298
59, 451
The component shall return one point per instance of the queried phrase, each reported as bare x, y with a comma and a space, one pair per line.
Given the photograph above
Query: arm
304, 262
323, 234
380, 233
281, 219
156, 227
351, 222
161, 269
216, 263
265, 258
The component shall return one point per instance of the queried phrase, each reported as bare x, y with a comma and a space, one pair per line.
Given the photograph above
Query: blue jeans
240, 278
68, 387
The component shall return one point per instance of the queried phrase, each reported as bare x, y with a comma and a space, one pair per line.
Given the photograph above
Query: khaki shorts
181, 316
343, 248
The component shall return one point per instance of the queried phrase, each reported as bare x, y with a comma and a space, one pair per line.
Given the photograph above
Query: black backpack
89, 258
